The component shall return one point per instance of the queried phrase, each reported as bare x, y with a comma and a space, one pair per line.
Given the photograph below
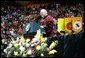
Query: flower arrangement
36, 47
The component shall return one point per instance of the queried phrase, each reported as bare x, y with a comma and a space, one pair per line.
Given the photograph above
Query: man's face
42, 14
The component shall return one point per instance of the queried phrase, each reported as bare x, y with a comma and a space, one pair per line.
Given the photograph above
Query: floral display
37, 47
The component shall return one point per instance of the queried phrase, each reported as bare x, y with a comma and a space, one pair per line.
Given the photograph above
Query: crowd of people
13, 18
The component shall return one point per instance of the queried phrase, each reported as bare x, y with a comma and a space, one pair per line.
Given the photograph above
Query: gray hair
43, 12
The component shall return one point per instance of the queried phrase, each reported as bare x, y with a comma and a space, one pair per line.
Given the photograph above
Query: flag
60, 24
77, 24
68, 25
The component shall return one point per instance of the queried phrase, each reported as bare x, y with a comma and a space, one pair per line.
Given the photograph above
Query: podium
30, 29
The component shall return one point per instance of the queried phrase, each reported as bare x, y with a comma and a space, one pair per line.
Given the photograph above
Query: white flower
38, 47
16, 45
35, 44
24, 55
27, 40
32, 45
9, 53
45, 38
5, 50
22, 48
42, 40
21, 52
14, 42
10, 45
53, 44
45, 45
18, 39
24, 44
15, 53
42, 44
42, 54
5, 43
27, 45
52, 52
29, 52
20, 44
34, 40
3, 40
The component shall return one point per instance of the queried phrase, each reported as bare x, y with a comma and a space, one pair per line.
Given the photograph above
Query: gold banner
77, 24
68, 25
60, 24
